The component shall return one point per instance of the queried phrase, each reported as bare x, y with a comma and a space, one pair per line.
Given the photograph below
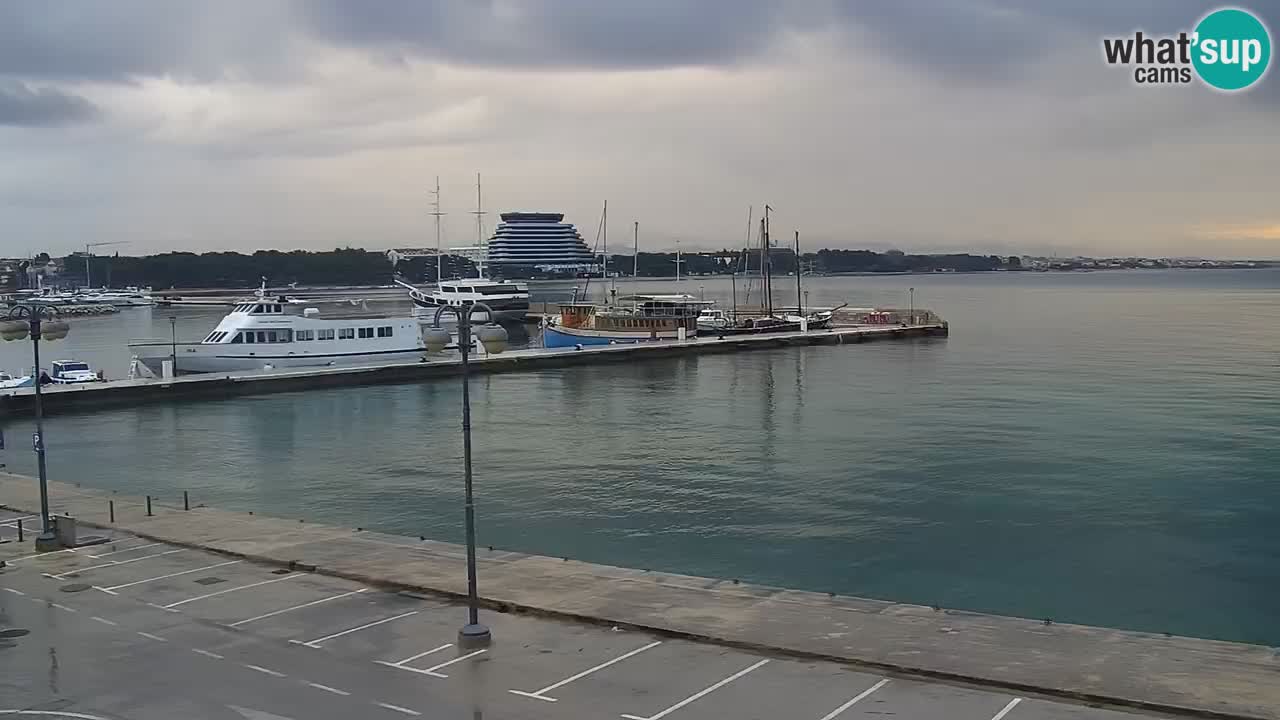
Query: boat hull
772, 328
223, 361
556, 336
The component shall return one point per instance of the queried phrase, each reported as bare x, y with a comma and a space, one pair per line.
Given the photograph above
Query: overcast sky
926, 125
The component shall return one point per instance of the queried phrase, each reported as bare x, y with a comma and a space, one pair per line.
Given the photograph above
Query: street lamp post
911, 293
173, 343
494, 338
40, 322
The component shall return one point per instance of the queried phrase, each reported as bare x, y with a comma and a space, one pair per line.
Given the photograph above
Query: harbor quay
286, 617
124, 393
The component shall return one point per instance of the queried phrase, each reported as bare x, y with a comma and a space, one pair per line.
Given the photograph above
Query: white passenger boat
508, 300
260, 334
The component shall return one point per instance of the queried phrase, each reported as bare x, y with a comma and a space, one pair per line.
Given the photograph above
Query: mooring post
186, 501
148, 506
20, 535
111, 511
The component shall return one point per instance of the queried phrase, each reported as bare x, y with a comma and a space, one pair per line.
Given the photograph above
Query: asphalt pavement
139, 630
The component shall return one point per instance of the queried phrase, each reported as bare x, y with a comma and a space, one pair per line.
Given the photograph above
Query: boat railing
888, 316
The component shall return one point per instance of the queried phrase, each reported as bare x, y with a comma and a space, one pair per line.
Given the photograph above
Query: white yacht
128, 297
260, 334
509, 301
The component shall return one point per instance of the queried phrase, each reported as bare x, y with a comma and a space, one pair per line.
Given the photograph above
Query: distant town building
395, 255
13, 275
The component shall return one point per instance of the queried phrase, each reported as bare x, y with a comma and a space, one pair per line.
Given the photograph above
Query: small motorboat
10, 382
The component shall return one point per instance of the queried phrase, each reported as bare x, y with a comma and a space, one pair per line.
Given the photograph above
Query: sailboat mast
744, 263
767, 262
635, 251
604, 240
480, 245
678, 261
799, 304
436, 212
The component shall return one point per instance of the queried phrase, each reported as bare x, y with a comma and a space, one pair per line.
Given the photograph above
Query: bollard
111, 511
148, 506
20, 535
186, 501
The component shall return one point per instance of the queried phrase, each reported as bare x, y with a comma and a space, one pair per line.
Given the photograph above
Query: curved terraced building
538, 244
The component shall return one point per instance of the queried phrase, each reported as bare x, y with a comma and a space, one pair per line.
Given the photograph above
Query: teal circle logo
1232, 49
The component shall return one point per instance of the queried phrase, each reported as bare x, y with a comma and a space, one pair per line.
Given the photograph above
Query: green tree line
354, 266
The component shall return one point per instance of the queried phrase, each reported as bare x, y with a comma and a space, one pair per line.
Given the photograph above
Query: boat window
499, 290
366, 332
262, 336
324, 334
447, 288
466, 289
304, 335
346, 333
248, 336
384, 331
236, 340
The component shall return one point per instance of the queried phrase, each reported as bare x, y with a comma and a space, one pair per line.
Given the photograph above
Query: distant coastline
353, 267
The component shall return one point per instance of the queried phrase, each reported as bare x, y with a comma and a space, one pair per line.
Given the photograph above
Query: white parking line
316, 643
538, 694
13, 522
397, 708
326, 688
40, 554
104, 621
63, 607
117, 552
207, 654
166, 577
834, 713
297, 607
1012, 704
15, 592
265, 671
149, 636
432, 670
414, 657
698, 694
171, 606
116, 563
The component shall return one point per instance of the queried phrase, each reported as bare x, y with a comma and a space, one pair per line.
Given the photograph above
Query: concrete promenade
212, 386
1138, 670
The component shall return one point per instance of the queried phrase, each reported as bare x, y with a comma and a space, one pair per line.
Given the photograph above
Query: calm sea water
1098, 448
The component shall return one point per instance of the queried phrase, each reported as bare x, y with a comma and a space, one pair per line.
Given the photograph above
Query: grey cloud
122, 39
988, 39
24, 106
555, 33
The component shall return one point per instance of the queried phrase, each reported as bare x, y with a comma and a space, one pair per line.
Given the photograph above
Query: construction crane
88, 283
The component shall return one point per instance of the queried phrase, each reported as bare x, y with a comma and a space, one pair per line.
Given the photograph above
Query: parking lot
137, 629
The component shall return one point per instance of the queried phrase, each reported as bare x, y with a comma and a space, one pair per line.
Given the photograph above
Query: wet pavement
141, 630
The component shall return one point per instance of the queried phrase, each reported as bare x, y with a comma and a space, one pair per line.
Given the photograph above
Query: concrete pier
1181, 675
123, 393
